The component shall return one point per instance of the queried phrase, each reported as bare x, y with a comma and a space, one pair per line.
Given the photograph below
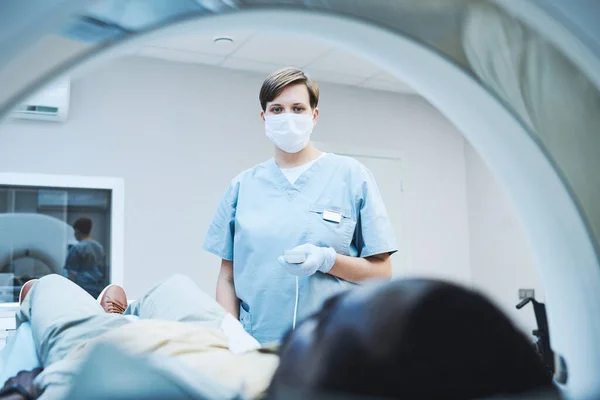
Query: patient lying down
412, 339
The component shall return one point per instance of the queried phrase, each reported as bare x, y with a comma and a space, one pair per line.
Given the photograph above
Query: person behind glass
86, 260
325, 208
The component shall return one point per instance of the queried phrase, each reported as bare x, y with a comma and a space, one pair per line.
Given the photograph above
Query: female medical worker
321, 205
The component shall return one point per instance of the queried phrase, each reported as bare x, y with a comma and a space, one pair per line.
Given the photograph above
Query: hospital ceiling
259, 52
435, 22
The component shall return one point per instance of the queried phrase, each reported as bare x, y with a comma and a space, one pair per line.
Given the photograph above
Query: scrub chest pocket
245, 318
330, 226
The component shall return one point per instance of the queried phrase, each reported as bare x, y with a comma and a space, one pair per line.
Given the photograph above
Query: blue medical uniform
262, 214
88, 259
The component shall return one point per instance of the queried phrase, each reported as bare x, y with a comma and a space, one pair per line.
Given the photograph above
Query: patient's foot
25, 289
113, 299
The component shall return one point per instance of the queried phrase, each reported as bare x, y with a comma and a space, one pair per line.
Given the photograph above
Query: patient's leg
62, 316
178, 299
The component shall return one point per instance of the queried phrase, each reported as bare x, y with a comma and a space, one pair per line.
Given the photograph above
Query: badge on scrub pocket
332, 216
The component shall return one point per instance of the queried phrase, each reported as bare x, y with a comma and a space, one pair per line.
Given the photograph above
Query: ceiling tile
380, 84
339, 61
205, 59
204, 43
250, 65
385, 76
283, 50
333, 77
181, 56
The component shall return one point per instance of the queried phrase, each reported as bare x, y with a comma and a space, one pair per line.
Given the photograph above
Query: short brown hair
83, 225
279, 80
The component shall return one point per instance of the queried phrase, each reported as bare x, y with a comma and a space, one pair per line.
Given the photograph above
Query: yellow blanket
202, 349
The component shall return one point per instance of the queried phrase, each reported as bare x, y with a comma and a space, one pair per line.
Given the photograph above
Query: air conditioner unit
50, 104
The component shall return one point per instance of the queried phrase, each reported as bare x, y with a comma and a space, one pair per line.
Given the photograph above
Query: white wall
178, 133
501, 257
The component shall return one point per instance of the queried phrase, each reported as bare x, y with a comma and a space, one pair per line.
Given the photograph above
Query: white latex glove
317, 259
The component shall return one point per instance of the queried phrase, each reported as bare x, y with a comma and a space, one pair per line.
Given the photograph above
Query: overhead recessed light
223, 40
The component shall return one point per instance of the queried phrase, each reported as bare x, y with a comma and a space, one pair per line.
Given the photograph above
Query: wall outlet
525, 293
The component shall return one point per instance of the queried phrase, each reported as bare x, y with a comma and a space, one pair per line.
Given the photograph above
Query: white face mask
289, 132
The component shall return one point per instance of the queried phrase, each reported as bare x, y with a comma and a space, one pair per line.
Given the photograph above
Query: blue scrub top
88, 259
262, 215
